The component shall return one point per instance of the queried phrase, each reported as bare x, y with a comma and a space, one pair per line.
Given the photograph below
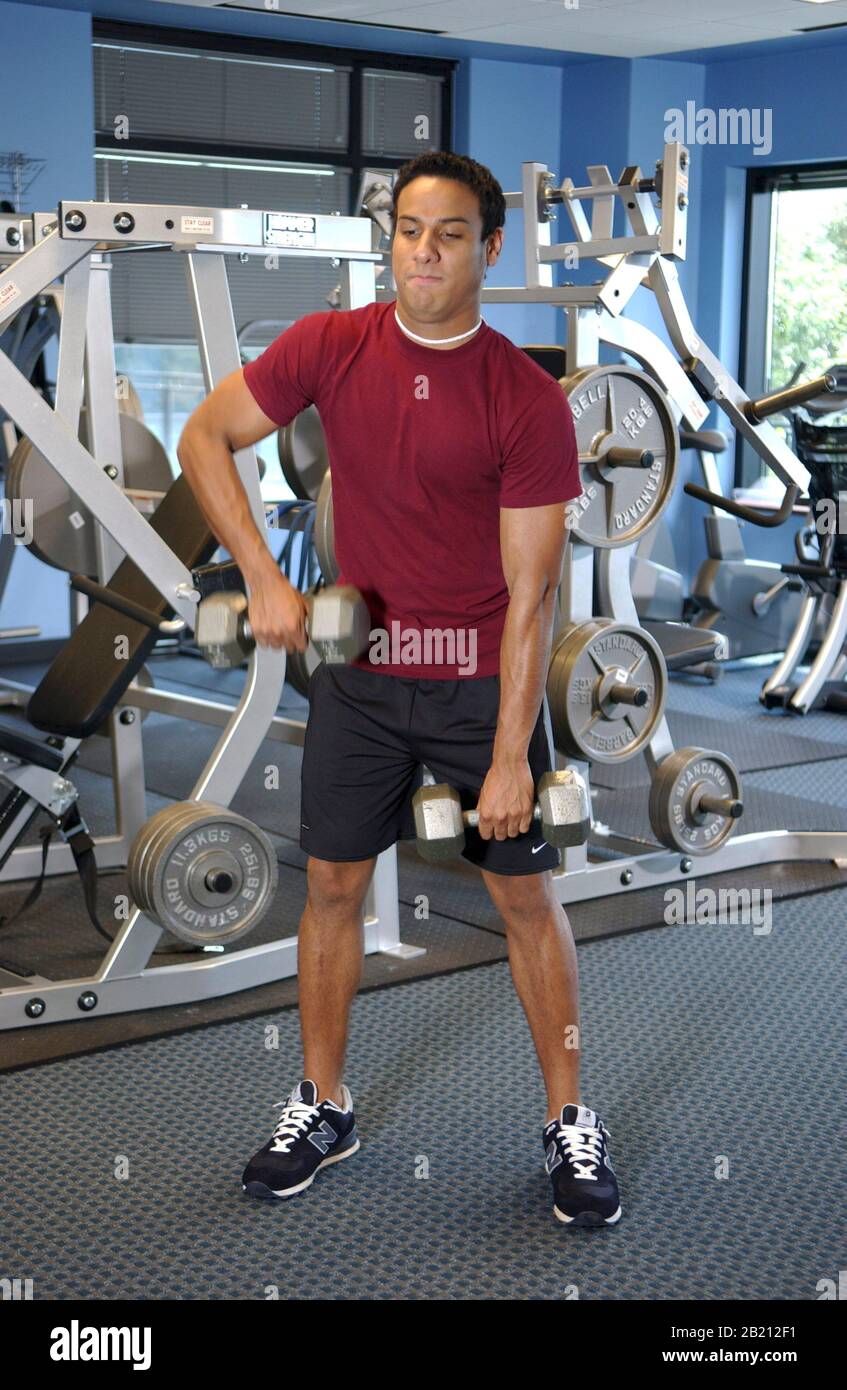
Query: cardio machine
820, 573
751, 602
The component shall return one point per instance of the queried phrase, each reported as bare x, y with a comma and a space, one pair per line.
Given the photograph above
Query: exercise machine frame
70, 247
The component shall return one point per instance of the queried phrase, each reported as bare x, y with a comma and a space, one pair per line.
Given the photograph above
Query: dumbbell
338, 626
563, 808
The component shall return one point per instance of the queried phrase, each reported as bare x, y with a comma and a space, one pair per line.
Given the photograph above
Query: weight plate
613, 408
182, 817
303, 453
158, 828
63, 530
592, 666
324, 533
680, 782
202, 872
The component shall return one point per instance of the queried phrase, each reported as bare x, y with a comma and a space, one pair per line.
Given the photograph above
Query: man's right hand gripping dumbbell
334, 619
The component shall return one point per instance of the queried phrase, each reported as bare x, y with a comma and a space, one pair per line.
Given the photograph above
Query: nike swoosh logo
537, 848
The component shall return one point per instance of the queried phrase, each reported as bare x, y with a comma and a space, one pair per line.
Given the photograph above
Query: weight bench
80, 690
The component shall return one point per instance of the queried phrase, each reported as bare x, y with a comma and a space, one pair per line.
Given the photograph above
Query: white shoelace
583, 1148
293, 1120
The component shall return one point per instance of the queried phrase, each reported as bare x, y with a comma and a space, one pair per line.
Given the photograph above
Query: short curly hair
441, 164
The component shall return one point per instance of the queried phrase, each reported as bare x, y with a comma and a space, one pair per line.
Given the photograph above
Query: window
796, 288
217, 121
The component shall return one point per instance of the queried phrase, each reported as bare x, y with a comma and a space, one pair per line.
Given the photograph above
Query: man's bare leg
330, 954
542, 957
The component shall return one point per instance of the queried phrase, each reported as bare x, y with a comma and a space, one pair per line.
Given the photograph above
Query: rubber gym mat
822, 782
175, 752
752, 744
736, 696
685, 1059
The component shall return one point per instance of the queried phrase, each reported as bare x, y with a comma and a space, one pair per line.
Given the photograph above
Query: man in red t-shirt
453, 456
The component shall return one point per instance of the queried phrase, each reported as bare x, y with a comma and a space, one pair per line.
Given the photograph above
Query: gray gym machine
145, 587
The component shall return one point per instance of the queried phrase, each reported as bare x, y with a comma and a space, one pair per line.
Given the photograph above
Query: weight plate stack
606, 686
63, 529
202, 872
695, 800
324, 533
303, 454
620, 412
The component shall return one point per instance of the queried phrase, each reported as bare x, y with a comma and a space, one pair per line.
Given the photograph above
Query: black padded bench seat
86, 680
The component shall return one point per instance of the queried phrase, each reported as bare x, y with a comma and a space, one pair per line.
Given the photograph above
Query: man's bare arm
532, 546
228, 420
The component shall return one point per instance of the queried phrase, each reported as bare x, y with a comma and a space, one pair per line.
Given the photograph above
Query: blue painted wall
502, 134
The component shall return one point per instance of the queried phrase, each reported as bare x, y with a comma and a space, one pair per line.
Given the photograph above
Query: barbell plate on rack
63, 529
606, 686
324, 533
303, 455
616, 408
202, 872
678, 784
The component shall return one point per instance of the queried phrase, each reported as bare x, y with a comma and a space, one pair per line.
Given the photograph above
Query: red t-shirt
425, 447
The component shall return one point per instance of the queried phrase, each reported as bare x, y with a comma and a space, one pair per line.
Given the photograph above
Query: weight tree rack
595, 577
70, 247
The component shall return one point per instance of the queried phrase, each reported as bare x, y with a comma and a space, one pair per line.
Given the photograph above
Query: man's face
437, 255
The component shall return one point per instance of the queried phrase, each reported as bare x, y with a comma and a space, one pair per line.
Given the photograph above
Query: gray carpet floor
707, 1050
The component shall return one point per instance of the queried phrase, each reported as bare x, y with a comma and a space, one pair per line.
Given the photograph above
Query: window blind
220, 98
392, 103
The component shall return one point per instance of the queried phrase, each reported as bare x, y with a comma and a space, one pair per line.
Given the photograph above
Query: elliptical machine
820, 575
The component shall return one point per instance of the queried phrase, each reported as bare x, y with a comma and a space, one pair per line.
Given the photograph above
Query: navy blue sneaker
309, 1136
585, 1188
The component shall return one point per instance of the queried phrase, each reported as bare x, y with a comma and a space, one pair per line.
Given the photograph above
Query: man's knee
334, 885
520, 898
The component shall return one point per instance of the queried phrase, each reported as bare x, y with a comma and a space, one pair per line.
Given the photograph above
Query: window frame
761, 185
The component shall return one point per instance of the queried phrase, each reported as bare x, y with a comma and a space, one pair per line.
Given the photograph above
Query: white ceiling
613, 28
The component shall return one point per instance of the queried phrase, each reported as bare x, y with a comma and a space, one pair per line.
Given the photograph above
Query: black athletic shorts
367, 739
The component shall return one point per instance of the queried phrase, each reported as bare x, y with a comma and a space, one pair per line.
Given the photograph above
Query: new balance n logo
554, 1158
323, 1137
